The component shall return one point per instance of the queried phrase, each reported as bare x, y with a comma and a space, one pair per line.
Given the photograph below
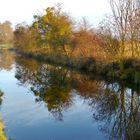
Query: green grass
5, 46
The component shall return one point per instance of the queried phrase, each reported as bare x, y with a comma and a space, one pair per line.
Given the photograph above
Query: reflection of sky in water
115, 88
92, 110
26, 120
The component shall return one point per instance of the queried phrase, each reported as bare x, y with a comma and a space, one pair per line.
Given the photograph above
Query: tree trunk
67, 54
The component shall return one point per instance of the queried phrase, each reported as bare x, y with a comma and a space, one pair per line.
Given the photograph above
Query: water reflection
119, 110
49, 84
6, 60
1, 99
114, 106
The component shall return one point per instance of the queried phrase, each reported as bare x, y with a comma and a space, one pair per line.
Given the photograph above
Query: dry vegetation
111, 46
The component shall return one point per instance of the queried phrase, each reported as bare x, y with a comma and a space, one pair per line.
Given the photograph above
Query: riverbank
109, 70
2, 136
5, 46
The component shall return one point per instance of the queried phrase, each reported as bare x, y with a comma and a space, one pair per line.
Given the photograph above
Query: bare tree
126, 18
120, 10
134, 21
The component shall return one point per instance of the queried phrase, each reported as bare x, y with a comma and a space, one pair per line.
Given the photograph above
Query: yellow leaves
48, 37
45, 19
55, 27
2, 136
35, 25
54, 94
62, 31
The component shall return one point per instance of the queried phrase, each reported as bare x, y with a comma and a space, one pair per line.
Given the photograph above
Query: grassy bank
5, 46
2, 136
109, 70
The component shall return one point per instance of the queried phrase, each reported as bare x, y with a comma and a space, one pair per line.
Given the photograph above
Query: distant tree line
6, 33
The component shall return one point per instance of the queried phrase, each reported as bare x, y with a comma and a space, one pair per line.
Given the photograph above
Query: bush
88, 64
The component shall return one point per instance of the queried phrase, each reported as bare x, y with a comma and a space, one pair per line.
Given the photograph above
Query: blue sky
18, 11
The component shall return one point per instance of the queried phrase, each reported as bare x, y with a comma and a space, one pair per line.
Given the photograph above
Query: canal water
45, 102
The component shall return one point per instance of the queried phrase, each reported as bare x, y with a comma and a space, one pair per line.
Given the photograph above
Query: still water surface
45, 102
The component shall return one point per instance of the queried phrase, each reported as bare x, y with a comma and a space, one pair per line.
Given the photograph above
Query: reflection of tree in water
84, 86
53, 84
26, 70
6, 59
54, 89
1, 95
50, 85
115, 106
119, 109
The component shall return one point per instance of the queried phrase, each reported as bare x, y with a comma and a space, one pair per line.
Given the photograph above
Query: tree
125, 22
120, 10
84, 41
134, 21
25, 38
55, 28
6, 32
107, 40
